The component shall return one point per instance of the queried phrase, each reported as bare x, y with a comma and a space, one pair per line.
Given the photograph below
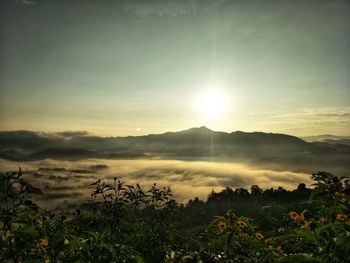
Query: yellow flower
44, 242
322, 219
259, 235
341, 217
305, 224
294, 215
241, 223
279, 249
222, 225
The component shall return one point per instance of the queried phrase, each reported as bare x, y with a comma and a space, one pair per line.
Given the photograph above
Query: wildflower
222, 225
341, 217
343, 200
301, 217
305, 225
44, 242
259, 235
279, 249
241, 223
322, 219
66, 242
337, 194
294, 215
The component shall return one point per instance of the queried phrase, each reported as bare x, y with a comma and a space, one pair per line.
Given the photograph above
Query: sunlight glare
211, 104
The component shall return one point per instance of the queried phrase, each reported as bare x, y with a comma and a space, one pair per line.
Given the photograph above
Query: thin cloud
146, 9
322, 114
311, 121
27, 3
69, 134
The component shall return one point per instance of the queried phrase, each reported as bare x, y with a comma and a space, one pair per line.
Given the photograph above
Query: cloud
27, 3
70, 134
336, 114
310, 121
165, 8
186, 179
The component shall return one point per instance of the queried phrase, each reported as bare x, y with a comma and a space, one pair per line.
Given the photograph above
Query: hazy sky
136, 67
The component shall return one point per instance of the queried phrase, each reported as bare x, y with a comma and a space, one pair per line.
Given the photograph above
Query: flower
66, 242
322, 219
341, 217
301, 217
305, 225
241, 223
222, 225
44, 242
340, 196
294, 215
279, 249
259, 235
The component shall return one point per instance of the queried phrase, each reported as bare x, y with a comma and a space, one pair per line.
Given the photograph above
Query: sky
150, 66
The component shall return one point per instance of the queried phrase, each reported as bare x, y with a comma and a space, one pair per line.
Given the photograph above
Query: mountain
325, 137
194, 143
337, 142
329, 139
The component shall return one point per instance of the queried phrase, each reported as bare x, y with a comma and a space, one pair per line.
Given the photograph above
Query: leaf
138, 259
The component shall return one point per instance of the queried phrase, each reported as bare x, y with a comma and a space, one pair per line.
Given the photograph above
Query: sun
211, 104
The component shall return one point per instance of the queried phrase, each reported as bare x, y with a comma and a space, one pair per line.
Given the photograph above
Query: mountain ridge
30, 142
199, 143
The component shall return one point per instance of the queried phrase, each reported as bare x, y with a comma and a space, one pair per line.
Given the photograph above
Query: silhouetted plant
125, 223
17, 212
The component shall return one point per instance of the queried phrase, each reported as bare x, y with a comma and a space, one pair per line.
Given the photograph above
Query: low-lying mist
65, 183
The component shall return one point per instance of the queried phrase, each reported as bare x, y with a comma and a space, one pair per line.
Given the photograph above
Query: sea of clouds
187, 179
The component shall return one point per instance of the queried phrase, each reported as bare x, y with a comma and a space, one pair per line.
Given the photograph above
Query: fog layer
66, 182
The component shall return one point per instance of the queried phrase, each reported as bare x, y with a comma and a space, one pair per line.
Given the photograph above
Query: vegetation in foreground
125, 223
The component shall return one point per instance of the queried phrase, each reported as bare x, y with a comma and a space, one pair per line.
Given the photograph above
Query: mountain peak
199, 129
203, 128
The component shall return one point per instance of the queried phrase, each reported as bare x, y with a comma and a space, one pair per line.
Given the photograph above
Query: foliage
125, 223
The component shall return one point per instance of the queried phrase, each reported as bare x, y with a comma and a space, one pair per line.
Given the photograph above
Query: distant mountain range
328, 138
193, 144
